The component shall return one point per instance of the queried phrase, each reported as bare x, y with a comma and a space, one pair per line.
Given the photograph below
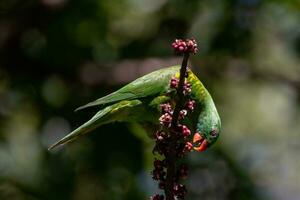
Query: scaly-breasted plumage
139, 101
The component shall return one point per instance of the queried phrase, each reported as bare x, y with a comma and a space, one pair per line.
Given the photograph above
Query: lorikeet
140, 100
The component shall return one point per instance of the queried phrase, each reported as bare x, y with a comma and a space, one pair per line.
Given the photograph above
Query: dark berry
166, 119
158, 197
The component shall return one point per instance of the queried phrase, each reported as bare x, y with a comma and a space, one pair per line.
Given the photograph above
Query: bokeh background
58, 54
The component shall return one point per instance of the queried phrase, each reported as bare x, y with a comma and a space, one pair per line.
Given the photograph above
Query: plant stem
171, 157
180, 99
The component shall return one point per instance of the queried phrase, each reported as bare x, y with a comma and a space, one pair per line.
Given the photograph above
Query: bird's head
208, 128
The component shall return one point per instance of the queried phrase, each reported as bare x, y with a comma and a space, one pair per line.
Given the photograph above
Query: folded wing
148, 85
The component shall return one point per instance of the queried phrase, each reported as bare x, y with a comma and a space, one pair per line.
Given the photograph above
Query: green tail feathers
115, 112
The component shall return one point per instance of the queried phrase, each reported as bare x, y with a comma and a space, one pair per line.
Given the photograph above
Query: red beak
201, 143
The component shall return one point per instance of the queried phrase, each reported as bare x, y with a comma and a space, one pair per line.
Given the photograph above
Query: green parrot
140, 100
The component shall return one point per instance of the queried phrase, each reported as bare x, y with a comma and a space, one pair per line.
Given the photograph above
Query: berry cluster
185, 46
164, 145
157, 197
187, 88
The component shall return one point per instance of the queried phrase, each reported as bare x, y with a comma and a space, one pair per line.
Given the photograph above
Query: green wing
121, 111
148, 85
127, 106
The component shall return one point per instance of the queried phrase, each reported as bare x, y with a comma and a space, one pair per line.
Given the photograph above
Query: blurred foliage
58, 54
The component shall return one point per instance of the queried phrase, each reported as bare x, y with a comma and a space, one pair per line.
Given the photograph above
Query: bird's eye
214, 133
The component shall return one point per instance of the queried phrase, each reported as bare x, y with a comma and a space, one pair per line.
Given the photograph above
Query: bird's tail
115, 112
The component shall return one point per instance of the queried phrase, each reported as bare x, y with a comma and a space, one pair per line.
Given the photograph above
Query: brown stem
180, 99
171, 156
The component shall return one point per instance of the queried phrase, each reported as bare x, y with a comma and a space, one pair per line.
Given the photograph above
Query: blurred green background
56, 55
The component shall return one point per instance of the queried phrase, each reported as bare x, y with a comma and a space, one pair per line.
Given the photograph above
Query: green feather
115, 112
148, 85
